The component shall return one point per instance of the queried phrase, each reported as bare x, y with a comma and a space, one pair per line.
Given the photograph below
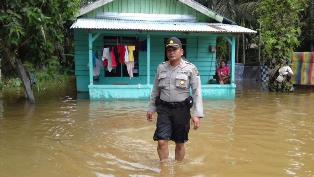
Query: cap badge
181, 82
171, 41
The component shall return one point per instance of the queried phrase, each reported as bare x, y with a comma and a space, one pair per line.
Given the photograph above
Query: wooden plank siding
148, 7
197, 53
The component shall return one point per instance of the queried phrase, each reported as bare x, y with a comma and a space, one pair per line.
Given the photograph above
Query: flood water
258, 134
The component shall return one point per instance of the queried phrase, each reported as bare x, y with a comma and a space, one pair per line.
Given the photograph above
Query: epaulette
186, 62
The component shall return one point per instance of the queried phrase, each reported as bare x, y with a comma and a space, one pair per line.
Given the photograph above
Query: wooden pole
90, 57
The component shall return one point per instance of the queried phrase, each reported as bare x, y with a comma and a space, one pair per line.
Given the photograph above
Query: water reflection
257, 134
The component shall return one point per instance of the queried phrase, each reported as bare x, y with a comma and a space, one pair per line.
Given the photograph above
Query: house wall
149, 7
197, 53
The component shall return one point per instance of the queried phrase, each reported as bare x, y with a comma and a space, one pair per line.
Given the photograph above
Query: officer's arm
197, 108
154, 94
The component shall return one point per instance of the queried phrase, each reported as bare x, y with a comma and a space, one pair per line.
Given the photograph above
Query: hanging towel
130, 66
105, 53
109, 62
126, 56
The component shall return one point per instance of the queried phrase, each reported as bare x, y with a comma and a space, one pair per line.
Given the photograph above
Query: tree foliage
307, 22
280, 28
32, 30
243, 13
240, 11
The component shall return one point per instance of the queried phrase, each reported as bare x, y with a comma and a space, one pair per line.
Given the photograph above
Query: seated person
223, 73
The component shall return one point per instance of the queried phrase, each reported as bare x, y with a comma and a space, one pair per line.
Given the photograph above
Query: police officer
171, 99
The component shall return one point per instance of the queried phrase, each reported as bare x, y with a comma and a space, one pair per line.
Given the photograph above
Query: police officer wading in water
171, 99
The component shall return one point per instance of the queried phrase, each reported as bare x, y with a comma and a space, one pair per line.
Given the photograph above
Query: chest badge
182, 82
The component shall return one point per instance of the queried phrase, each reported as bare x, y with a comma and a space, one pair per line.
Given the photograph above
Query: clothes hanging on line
109, 58
105, 53
130, 60
121, 53
126, 56
131, 52
130, 66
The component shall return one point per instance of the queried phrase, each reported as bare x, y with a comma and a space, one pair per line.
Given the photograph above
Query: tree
240, 11
307, 35
280, 30
31, 31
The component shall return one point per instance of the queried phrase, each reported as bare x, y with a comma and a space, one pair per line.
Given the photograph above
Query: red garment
121, 53
105, 63
113, 58
223, 71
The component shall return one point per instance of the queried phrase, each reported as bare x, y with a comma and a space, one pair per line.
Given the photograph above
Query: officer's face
174, 53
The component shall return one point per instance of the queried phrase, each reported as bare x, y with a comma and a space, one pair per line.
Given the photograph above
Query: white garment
126, 55
130, 66
283, 71
107, 56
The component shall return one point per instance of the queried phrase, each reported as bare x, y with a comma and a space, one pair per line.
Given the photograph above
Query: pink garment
105, 57
130, 66
126, 55
223, 71
113, 59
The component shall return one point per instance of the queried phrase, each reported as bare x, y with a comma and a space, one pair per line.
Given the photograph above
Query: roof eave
92, 6
209, 13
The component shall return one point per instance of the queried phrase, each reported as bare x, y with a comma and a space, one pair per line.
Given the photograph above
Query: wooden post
233, 59
90, 58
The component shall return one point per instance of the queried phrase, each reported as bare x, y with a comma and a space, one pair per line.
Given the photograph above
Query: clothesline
121, 53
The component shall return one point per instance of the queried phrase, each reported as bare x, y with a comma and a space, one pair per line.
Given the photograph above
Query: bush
48, 77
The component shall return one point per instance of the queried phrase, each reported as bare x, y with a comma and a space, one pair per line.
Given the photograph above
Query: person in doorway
223, 73
171, 99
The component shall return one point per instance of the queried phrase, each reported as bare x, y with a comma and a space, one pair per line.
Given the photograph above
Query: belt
173, 104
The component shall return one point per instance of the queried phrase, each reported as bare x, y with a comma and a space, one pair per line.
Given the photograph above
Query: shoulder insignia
163, 62
187, 62
195, 71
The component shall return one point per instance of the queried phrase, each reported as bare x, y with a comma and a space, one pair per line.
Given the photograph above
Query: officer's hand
196, 122
149, 116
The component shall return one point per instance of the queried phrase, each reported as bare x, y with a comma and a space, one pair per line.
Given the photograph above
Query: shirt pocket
162, 80
182, 81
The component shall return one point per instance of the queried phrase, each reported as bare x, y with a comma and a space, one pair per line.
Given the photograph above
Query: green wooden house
146, 24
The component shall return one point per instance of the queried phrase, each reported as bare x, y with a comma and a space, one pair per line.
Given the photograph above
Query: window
114, 44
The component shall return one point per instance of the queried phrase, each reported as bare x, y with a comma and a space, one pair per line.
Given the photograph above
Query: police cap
173, 42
